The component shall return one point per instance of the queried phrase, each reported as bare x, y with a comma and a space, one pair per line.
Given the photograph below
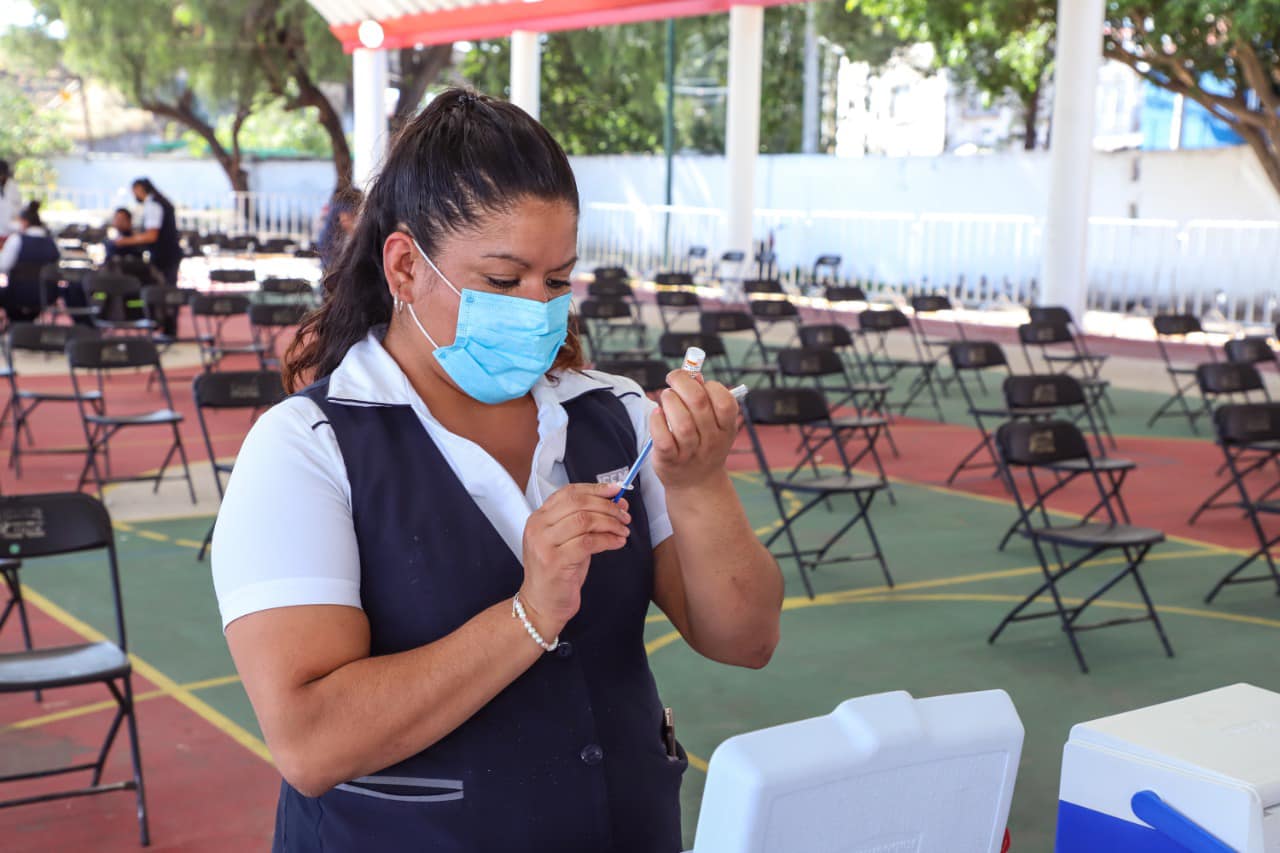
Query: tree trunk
230, 162
309, 95
1030, 120
1267, 156
418, 70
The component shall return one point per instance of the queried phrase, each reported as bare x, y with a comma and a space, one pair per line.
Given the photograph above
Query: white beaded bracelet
517, 611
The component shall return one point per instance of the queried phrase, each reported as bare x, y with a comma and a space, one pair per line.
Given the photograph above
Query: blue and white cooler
1198, 774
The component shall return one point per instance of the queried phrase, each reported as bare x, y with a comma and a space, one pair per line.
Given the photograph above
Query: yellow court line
95, 707
198, 706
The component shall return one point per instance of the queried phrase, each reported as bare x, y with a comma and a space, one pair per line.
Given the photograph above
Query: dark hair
31, 214
463, 157
126, 211
5, 173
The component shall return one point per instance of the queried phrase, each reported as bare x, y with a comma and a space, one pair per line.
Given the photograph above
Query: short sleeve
152, 215
285, 535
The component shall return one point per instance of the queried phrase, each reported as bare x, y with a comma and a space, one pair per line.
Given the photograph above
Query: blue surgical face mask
502, 344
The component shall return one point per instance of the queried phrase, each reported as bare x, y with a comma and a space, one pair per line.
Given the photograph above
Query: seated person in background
25, 252
122, 223
339, 220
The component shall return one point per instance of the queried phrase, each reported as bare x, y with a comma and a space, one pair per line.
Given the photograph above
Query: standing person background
21, 258
10, 201
159, 236
339, 221
434, 605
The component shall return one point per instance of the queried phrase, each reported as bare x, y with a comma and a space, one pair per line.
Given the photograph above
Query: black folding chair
613, 283
649, 373
824, 371
47, 340
163, 306
47, 525
1177, 328
1251, 430
288, 290
876, 328
600, 320
826, 273
1041, 446
844, 294
1240, 383
62, 293
840, 340
268, 322
729, 274
1053, 395
210, 315
796, 407
103, 356
1255, 349
118, 304
232, 276
1077, 354
674, 304
977, 357
1052, 332
742, 324
771, 313
276, 246
250, 389
935, 346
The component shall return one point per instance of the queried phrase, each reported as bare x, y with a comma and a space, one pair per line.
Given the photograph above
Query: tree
161, 56
604, 90
999, 47
416, 69
1222, 54
27, 135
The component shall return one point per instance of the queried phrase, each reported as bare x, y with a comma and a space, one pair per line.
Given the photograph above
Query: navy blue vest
166, 251
37, 249
567, 759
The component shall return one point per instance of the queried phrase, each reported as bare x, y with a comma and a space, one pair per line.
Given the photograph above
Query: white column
742, 125
1075, 85
526, 71
812, 85
369, 142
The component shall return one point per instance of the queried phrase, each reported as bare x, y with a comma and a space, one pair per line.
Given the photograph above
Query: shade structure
406, 23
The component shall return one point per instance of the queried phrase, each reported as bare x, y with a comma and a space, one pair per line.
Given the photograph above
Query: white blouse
285, 535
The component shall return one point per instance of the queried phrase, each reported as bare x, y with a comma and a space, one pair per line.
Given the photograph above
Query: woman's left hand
692, 431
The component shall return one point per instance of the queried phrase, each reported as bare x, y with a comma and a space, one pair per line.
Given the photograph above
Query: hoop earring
398, 303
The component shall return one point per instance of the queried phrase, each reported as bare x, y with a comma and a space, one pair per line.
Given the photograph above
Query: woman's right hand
575, 523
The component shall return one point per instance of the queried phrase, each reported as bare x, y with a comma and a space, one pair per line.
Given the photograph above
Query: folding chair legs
1178, 398
135, 755
1069, 616
983, 444
204, 546
1265, 553
819, 555
16, 604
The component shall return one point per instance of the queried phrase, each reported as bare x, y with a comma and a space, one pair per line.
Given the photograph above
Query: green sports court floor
926, 636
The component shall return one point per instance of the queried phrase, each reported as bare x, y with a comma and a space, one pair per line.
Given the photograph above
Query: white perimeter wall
1221, 183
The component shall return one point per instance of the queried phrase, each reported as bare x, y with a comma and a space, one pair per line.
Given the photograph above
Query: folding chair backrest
976, 355
1228, 377
845, 293
1054, 314
611, 273
883, 321
1044, 332
725, 322
238, 389
144, 272
786, 406
809, 362
1042, 391
929, 304
1173, 325
277, 316
675, 344
1251, 350
673, 279
109, 286
649, 373
277, 245
43, 337
825, 336
112, 353
286, 286
830, 263
1036, 443
232, 276
614, 288
677, 299
762, 285
219, 304
773, 309
1248, 423
603, 309
45, 525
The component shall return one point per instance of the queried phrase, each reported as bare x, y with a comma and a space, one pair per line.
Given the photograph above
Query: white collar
369, 376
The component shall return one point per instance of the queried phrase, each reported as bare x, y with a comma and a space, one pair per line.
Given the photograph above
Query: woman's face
527, 252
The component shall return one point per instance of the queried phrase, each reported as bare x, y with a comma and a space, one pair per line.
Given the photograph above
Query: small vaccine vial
693, 359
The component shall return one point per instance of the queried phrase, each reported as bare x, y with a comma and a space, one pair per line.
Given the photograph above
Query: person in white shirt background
31, 247
10, 201
435, 605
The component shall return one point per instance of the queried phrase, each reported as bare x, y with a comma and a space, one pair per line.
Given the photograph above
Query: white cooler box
1199, 774
880, 774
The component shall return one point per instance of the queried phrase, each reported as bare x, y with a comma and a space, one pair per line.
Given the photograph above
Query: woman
435, 606
10, 201
21, 259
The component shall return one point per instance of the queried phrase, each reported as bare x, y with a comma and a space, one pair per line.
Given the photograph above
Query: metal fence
1223, 269
1213, 268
